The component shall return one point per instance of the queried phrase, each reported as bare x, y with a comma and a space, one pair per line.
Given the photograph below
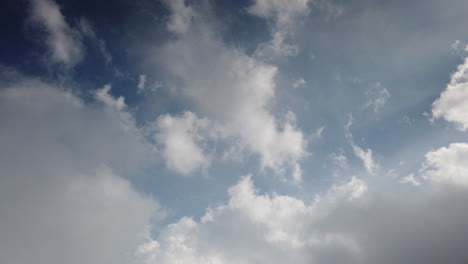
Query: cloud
350, 223
88, 31
141, 83
377, 97
181, 16
298, 83
182, 138
235, 92
282, 12
366, 157
277, 46
447, 165
364, 154
104, 96
284, 15
411, 180
64, 43
452, 105
62, 196
251, 228
338, 159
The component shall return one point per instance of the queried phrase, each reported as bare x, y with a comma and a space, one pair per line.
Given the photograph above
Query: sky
222, 132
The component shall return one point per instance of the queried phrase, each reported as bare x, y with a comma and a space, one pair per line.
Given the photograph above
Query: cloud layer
272, 131
61, 198
347, 224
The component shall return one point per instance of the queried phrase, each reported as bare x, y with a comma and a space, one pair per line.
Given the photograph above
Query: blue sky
260, 131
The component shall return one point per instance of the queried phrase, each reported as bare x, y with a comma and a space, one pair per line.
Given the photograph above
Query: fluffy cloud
181, 16
182, 138
235, 92
452, 105
104, 96
251, 228
347, 224
447, 165
64, 43
61, 197
410, 179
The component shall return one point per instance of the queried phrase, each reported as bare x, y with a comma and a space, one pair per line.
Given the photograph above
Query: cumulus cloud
106, 98
62, 196
251, 228
452, 105
64, 43
182, 138
447, 165
234, 91
350, 223
181, 16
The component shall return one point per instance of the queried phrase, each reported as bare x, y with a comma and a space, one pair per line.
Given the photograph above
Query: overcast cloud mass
233, 132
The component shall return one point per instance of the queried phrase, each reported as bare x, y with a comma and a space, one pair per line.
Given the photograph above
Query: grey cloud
61, 197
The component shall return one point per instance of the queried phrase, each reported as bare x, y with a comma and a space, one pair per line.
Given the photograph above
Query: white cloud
277, 46
377, 96
181, 16
366, 157
447, 165
281, 11
234, 91
284, 15
364, 154
297, 173
141, 83
348, 224
104, 96
452, 105
299, 83
61, 197
411, 180
64, 43
182, 138
251, 228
